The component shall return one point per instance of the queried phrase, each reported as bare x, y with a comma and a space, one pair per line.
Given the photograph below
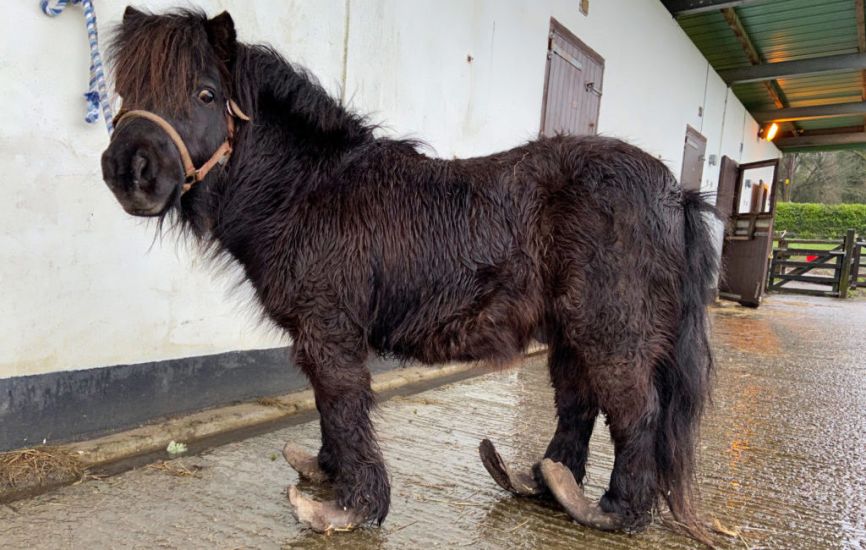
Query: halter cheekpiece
192, 175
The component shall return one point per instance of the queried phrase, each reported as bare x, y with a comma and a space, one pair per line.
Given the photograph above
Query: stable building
106, 327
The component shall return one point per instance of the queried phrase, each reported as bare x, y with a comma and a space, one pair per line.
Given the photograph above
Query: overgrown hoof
323, 517
306, 464
632, 522
560, 481
519, 483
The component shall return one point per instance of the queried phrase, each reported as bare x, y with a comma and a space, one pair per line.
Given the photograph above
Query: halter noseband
192, 175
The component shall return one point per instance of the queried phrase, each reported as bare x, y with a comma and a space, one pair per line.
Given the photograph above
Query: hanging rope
97, 95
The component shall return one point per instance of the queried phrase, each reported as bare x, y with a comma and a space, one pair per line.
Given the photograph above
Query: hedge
820, 221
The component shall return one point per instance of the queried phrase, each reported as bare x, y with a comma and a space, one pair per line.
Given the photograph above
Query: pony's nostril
139, 165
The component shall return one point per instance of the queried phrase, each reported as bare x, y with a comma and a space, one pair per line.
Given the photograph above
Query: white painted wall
655, 79
84, 285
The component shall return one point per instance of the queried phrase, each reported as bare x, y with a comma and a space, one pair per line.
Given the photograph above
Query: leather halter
191, 174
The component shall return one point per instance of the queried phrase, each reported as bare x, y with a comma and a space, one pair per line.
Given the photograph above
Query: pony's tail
683, 381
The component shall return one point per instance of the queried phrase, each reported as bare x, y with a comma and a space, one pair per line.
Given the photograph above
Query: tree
790, 162
829, 177
854, 170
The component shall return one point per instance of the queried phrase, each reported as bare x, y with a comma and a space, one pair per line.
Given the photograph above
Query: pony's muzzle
141, 175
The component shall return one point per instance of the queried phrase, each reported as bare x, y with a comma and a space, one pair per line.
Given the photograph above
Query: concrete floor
782, 460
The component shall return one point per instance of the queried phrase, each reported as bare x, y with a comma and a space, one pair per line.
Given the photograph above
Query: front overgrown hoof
560, 481
306, 464
519, 483
322, 517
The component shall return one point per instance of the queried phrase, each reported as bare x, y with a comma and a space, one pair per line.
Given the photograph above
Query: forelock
155, 60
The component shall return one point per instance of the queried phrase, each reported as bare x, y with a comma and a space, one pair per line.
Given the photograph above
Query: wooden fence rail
841, 268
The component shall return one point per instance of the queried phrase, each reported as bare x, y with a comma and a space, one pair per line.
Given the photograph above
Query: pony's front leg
341, 384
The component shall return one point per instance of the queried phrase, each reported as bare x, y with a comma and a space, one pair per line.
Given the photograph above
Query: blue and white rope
97, 94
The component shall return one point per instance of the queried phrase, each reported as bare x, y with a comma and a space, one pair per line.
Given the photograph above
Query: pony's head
173, 74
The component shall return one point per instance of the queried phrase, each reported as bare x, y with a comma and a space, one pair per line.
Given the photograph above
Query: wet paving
783, 460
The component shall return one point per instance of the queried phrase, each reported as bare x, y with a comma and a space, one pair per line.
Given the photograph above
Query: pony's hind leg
576, 411
564, 466
627, 396
632, 408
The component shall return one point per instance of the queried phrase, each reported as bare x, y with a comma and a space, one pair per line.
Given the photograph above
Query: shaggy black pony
359, 245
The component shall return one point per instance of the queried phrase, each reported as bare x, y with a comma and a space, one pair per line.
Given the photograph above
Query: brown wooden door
693, 160
572, 86
746, 197
729, 172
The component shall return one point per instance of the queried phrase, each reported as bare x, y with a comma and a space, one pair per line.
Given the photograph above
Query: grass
812, 246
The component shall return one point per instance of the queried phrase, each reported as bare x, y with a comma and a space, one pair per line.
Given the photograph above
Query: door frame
739, 236
739, 188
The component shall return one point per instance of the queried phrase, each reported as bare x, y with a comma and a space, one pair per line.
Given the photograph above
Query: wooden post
783, 245
776, 267
855, 265
845, 275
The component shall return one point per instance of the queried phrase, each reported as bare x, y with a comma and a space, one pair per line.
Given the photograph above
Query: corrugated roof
785, 30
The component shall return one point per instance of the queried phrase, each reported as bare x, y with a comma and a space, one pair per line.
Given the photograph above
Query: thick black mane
289, 95
290, 107
319, 139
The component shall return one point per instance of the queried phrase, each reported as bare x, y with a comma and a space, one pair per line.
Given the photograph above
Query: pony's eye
205, 96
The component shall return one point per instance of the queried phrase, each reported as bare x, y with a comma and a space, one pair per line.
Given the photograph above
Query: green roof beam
680, 8
857, 138
800, 67
815, 111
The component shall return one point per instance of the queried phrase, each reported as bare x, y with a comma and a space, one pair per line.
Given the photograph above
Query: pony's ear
131, 15
221, 35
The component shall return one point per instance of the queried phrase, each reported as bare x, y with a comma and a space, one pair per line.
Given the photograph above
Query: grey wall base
66, 406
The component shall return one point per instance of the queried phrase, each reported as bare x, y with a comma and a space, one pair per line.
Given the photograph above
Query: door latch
590, 87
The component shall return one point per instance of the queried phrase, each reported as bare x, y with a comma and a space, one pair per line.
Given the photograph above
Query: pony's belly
494, 333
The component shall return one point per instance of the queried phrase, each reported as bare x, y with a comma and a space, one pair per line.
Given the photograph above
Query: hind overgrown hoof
323, 517
519, 483
306, 464
560, 481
